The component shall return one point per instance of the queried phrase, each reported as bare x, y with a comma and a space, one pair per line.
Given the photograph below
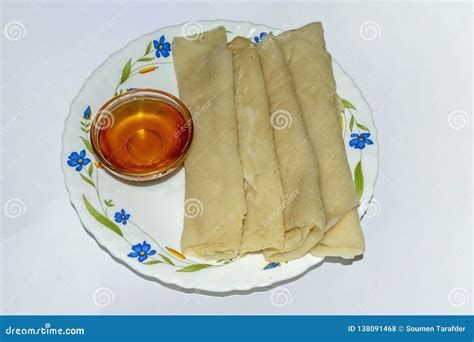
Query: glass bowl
142, 135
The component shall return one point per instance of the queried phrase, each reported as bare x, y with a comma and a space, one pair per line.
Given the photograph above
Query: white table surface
417, 76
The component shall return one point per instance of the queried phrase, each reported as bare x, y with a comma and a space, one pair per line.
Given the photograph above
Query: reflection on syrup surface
143, 136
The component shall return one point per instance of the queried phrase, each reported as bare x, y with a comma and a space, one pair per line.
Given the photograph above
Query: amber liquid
143, 136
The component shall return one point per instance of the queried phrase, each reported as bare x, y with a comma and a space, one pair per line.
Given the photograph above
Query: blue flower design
141, 251
87, 113
260, 37
78, 160
162, 47
121, 217
360, 141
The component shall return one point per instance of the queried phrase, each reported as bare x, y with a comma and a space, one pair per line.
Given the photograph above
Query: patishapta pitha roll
295, 155
263, 226
311, 70
345, 239
214, 177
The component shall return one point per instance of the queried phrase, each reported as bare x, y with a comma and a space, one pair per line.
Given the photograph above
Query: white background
415, 74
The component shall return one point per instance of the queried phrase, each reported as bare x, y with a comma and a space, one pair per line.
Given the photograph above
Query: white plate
156, 209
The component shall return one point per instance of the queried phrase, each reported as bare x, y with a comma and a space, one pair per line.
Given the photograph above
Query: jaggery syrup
143, 136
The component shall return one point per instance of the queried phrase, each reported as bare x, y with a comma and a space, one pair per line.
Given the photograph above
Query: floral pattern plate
142, 225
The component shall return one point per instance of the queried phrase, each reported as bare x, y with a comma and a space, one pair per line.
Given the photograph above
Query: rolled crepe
263, 226
296, 159
345, 239
311, 69
214, 178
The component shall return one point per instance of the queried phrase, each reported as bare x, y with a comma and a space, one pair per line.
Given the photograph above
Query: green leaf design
362, 127
101, 218
148, 48
87, 180
109, 203
194, 268
87, 144
145, 59
359, 180
224, 261
153, 262
347, 104
165, 258
90, 170
351, 123
126, 71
